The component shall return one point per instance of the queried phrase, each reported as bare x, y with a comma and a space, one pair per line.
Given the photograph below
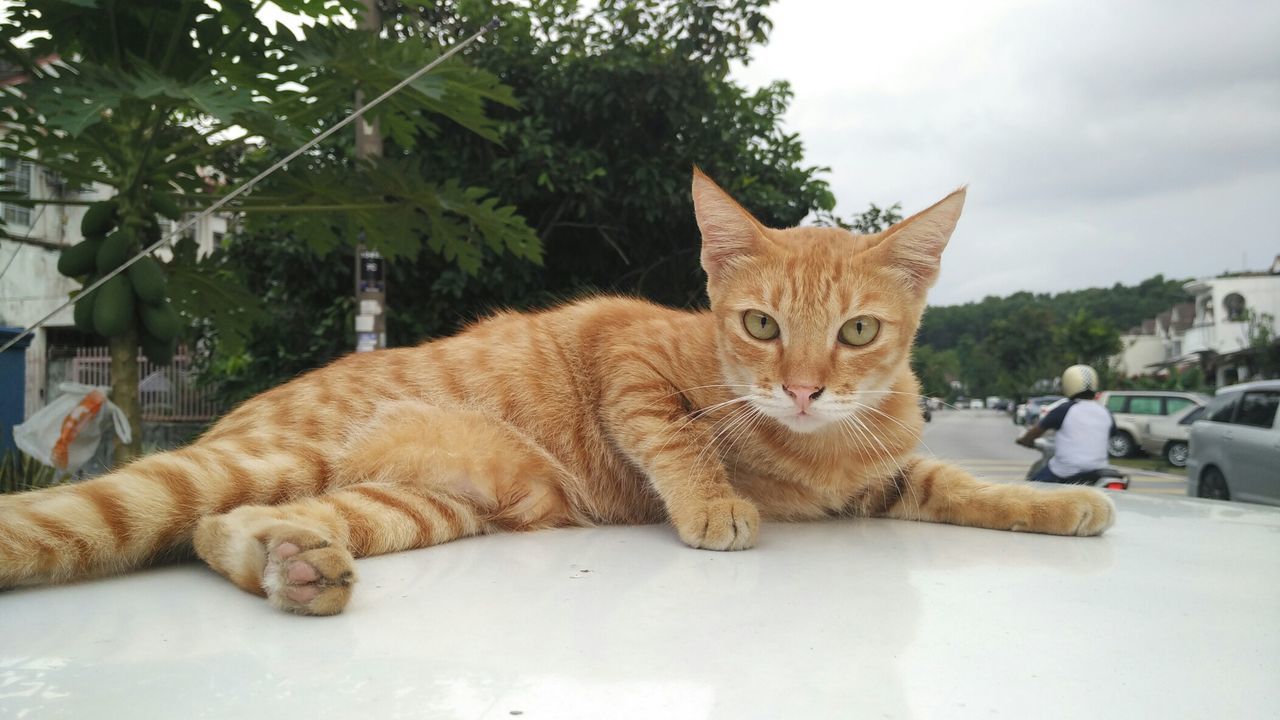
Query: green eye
859, 331
759, 325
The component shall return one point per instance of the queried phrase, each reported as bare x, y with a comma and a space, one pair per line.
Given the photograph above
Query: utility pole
370, 266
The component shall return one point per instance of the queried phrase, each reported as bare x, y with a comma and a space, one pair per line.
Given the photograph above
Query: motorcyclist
1083, 427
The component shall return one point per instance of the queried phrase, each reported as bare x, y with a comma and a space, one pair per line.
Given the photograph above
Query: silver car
1235, 446
1167, 436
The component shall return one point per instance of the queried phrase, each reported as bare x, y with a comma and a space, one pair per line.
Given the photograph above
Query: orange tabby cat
791, 398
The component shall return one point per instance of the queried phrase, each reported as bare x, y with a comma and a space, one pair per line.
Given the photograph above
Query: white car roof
1172, 613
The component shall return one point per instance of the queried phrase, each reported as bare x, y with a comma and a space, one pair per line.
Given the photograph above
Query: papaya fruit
80, 258
156, 350
99, 218
116, 248
113, 307
148, 280
166, 206
83, 312
160, 320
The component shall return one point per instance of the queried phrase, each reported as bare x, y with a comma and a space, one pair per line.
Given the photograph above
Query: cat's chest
786, 486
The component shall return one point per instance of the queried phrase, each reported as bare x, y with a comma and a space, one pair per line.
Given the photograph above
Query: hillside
1122, 306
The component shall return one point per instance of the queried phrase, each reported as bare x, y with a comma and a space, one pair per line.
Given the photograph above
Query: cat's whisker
910, 431
697, 415
681, 391
887, 454
740, 416
901, 392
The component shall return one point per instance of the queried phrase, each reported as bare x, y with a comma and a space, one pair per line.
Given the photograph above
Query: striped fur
608, 410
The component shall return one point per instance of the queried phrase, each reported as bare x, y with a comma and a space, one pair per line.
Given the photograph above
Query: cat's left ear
729, 233
915, 245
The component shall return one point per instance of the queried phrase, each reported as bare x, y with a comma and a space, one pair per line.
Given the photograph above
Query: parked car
1167, 436
1036, 407
1134, 409
1235, 446
924, 409
976, 404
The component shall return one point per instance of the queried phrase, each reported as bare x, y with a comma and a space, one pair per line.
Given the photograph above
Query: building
1228, 311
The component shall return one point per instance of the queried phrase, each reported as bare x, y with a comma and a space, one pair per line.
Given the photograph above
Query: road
981, 441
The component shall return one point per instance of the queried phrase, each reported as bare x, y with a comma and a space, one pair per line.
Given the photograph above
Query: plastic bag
66, 432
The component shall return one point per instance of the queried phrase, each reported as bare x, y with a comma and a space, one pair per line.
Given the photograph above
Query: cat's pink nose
802, 395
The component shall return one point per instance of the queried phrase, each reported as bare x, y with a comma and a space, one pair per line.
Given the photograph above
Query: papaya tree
153, 98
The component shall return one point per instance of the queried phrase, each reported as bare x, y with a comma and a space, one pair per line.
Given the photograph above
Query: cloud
1103, 142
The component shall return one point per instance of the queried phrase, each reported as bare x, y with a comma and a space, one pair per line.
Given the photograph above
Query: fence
167, 392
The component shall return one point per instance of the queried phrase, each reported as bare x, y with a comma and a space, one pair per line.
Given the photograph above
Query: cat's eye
859, 331
759, 325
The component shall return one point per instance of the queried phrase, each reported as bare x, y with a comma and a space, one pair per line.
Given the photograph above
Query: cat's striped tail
147, 510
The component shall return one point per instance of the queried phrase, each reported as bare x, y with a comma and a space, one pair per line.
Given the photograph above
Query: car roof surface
1173, 613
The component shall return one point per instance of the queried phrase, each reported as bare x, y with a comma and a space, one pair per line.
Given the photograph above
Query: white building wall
1140, 351
1217, 332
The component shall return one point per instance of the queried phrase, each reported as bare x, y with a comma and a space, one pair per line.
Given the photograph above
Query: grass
19, 472
1148, 463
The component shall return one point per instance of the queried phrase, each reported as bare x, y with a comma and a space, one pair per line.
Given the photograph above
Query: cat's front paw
723, 524
1077, 511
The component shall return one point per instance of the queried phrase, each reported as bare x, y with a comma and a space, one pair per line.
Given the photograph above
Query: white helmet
1079, 378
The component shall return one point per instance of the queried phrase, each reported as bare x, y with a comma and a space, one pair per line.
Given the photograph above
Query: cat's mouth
802, 421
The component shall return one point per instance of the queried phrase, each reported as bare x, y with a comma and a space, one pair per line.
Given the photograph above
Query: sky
1102, 142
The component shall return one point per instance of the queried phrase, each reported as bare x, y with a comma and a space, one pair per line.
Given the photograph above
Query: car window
1258, 409
1116, 403
1174, 404
1221, 407
1144, 405
1192, 416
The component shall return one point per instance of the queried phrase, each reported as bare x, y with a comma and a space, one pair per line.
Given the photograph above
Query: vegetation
152, 99
614, 109
1009, 346
20, 472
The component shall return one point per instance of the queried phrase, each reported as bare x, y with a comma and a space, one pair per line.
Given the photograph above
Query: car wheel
1175, 453
1213, 485
1120, 445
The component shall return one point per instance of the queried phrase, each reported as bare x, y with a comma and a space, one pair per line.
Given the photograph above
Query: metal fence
168, 392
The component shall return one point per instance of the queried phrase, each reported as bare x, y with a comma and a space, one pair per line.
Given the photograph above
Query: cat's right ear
729, 233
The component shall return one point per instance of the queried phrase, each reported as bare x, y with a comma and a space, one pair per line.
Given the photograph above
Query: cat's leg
419, 475
301, 556
678, 455
934, 491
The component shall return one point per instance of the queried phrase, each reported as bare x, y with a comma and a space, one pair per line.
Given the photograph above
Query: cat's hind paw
314, 580
723, 524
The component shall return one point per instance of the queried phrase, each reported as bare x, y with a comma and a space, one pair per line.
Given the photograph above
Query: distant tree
1084, 339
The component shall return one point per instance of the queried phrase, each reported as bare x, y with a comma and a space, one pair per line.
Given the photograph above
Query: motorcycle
1109, 478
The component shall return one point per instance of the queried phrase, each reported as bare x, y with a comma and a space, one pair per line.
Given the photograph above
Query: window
1192, 416
1144, 405
16, 174
1258, 409
1235, 307
1116, 403
1174, 404
1222, 407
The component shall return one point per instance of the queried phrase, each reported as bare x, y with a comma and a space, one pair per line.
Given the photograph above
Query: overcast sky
1102, 142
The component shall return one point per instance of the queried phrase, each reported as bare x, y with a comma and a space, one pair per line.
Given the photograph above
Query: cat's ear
729, 233
915, 245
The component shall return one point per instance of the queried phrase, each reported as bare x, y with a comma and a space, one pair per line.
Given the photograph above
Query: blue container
13, 385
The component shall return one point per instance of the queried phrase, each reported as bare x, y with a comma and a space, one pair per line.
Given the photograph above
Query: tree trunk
124, 392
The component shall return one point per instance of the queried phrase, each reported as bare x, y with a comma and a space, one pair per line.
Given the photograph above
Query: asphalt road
981, 441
